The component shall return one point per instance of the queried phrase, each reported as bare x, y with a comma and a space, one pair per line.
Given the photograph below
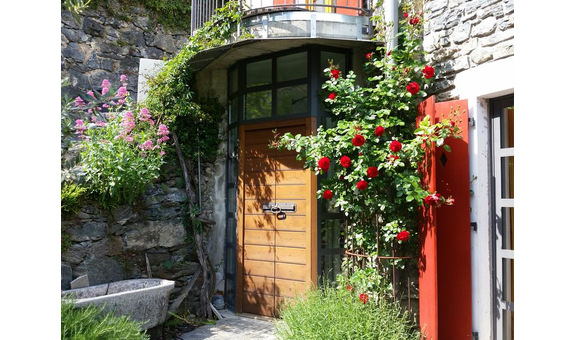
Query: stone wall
460, 35
100, 46
113, 245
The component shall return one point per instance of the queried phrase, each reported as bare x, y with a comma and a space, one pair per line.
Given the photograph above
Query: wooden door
445, 234
276, 257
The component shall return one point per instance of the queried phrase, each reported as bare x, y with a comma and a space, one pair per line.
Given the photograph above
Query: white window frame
478, 85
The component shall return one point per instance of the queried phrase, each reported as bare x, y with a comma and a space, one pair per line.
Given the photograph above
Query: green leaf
446, 148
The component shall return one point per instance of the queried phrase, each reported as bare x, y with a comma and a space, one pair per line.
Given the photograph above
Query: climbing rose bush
122, 148
377, 150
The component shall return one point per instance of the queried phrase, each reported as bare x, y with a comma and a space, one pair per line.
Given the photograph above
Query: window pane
233, 142
508, 329
230, 261
259, 104
507, 177
234, 109
332, 234
507, 292
338, 60
233, 171
292, 100
293, 66
259, 73
230, 297
232, 200
330, 266
507, 124
234, 80
507, 228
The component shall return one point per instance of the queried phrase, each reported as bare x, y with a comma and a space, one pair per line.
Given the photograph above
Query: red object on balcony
445, 234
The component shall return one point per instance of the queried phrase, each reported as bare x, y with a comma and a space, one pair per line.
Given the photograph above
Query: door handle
276, 208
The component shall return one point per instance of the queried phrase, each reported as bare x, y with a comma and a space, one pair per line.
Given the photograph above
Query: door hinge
474, 226
471, 121
475, 335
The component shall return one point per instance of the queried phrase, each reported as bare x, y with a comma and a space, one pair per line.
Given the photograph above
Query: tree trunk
205, 310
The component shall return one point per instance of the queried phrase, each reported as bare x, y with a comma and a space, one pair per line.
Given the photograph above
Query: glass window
234, 80
259, 104
330, 266
332, 234
507, 178
291, 67
292, 100
234, 109
507, 125
259, 73
338, 60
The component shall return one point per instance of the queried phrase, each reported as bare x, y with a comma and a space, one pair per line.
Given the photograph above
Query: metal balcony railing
202, 10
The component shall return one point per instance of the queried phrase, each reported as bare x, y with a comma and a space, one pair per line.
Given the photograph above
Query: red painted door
445, 234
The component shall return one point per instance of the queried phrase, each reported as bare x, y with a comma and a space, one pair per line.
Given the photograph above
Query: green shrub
70, 198
91, 324
336, 313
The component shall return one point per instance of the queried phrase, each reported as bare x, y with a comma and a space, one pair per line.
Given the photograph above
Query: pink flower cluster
144, 116
147, 145
128, 122
163, 131
80, 127
79, 102
105, 86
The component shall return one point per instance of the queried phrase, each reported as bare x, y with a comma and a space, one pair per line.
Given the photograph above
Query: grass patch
91, 324
335, 313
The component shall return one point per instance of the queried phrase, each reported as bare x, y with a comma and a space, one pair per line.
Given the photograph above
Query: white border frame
478, 85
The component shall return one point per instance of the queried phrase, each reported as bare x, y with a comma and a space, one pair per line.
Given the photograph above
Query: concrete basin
143, 300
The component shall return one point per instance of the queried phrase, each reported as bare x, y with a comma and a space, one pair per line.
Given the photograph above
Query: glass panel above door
258, 104
259, 73
338, 60
292, 100
292, 67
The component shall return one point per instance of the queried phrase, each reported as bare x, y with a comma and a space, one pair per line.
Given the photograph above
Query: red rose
335, 73
369, 55
414, 21
392, 158
372, 172
403, 235
332, 95
405, 15
323, 163
342, 177
362, 185
452, 123
395, 146
389, 53
327, 194
432, 199
363, 298
428, 71
358, 140
413, 88
345, 162
361, 153
379, 131
406, 69
349, 287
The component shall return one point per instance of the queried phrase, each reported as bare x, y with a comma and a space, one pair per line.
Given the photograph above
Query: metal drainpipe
390, 13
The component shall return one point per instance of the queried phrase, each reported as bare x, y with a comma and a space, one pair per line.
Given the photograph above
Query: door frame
311, 240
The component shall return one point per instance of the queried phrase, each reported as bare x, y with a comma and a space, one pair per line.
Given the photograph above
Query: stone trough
143, 300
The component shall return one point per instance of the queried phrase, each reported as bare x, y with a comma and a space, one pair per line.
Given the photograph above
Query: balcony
268, 19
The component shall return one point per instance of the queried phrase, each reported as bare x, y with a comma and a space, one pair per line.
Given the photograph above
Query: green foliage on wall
172, 14
173, 99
